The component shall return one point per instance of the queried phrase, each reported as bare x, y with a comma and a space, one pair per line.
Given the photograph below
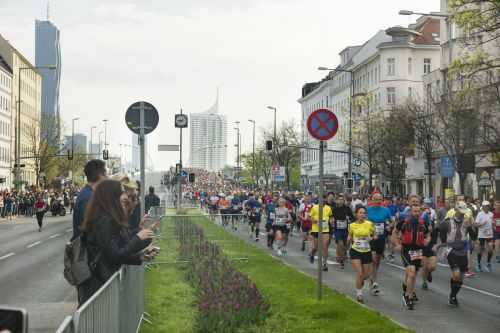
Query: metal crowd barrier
117, 307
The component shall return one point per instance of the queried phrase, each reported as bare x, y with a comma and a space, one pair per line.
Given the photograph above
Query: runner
411, 236
305, 220
454, 235
325, 233
270, 217
429, 259
236, 209
343, 216
255, 210
360, 233
381, 217
484, 223
223, 205
281, 226
496, 217
472, 233
213, 201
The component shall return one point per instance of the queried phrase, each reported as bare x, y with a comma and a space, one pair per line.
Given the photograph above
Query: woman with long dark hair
108, 237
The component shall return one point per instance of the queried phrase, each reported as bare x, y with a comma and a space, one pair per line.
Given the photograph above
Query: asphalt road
479, 298
31, 266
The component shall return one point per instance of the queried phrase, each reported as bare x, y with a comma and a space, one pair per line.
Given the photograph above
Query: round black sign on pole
133, 117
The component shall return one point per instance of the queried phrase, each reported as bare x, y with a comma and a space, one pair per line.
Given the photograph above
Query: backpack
77, 266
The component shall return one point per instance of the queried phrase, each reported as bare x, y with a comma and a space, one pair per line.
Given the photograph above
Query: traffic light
105, 154
269, 145
350, 183
191, 177
70, 155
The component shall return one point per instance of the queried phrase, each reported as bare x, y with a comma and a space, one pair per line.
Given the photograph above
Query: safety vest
407, 232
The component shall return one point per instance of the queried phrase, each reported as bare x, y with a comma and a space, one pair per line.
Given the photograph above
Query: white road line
463, 286
7, 256
54, 236
33, 244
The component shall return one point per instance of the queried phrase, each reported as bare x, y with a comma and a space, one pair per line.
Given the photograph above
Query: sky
175, 54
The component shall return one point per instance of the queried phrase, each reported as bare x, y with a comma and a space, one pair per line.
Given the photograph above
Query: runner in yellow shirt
361, 232
325, 233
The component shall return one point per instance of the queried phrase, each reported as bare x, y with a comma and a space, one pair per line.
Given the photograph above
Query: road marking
7, 256
33, 244
443, 265
54, 236
69, 230
463, 286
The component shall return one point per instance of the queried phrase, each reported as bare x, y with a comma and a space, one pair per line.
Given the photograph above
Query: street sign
322, 124
357, 162
181, 120
184, 173
275, 169
447, 167
133, 117
168, 147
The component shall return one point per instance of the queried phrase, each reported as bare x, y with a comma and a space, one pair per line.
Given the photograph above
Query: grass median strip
291, 294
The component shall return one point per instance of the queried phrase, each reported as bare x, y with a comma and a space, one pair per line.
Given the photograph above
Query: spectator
108, 237
151, 200
95, 171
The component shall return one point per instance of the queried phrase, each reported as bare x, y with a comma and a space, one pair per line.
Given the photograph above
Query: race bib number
497, 222
280, 220
342, 224
415, 255
362, 244
325, 227
272, 216
380, 228
488, 232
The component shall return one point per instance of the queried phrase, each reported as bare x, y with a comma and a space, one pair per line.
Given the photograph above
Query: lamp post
100, 140
73, 150
17, 147
92, 141
105, 121
253, 152
274, 141
351, 93
237, 128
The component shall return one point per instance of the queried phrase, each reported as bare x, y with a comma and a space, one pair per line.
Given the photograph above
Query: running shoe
311, 259
375, 289
279, 253
407, 302
414, 297
410, 304
257, 239
453, 301
359, 298
325, 268
469, 274
478, 268
303, 246
429, 277
488, 267
425, 286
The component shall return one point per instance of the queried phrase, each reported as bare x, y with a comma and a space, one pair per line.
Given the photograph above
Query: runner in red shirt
305, 220
496, 221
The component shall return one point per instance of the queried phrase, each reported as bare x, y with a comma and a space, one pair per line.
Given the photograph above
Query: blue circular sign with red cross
322, 124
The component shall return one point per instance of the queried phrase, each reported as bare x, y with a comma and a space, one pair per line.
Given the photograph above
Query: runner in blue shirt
270, 216
381, 217
254, 207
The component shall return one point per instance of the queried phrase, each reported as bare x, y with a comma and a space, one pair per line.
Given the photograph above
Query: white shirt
355, 203
484, 222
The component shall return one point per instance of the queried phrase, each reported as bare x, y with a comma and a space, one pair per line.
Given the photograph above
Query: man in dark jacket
95, 171
151, 200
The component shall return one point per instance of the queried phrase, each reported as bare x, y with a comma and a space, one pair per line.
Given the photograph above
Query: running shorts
483, 241
365, 257
497, 235
283, 228
378, 246
269, 227
428, 252
315, 234
408, 260
340, 235
457, 262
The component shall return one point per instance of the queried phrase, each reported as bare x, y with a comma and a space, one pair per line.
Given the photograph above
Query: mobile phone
13, 319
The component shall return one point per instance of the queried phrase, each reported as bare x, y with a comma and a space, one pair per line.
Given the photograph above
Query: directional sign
168, 147
184, 173
322, 124
133, 117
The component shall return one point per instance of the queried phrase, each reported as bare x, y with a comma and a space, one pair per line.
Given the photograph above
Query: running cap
485, 203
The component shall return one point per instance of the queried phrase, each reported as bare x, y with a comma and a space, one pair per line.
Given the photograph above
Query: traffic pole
320, 222
179, 194
143, 156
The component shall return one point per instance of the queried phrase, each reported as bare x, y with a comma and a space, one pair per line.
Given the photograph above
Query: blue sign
356, 177
184, 173
447, 167
279, 179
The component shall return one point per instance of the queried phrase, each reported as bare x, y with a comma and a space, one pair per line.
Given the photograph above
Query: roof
6, 47
5, 65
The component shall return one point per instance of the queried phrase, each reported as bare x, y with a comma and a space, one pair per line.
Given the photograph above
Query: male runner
342, 215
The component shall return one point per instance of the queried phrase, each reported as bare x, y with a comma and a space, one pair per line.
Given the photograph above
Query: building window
391, 66
391, 95
427, 65
409, 66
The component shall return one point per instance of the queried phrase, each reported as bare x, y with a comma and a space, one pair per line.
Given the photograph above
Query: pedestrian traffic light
269, 145
350, 183
191, 177
70, 155
105, 154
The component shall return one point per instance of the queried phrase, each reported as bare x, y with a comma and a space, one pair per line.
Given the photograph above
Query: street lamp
17, 147
351, 93
253, 151
92, 140
100, 141
73, 150
274, 140
237, 128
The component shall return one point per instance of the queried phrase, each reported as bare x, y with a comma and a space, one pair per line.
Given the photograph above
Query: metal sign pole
143, 160
320, 221
179, 194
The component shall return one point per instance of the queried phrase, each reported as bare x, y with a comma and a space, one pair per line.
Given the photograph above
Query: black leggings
39, 218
